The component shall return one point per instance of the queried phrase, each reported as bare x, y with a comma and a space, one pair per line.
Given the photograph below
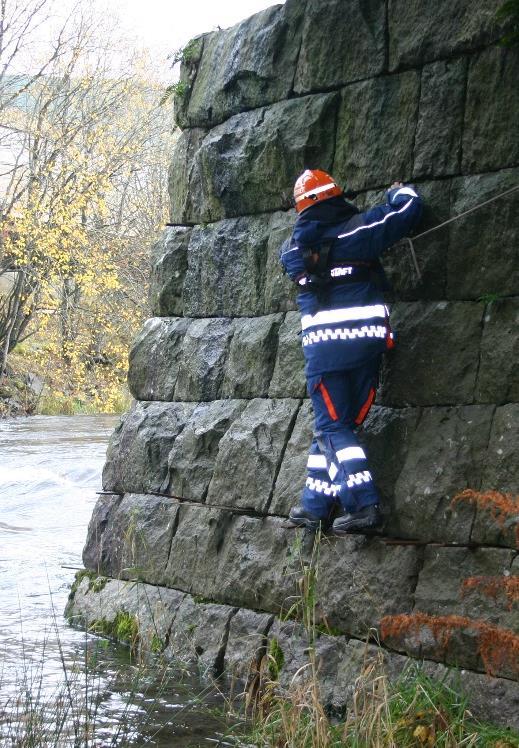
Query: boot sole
309, 524
357, 526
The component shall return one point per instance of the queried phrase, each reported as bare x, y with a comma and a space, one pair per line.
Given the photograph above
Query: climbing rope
410, 241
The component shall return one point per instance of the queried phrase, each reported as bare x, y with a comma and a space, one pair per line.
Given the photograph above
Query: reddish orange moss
496, 646
493, 586
502, 506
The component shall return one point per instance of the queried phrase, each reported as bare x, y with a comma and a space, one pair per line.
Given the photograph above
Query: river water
50, 470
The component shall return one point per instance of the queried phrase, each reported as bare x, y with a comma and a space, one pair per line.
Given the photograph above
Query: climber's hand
396, 184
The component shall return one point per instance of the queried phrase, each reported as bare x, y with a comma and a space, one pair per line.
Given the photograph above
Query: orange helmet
314, 185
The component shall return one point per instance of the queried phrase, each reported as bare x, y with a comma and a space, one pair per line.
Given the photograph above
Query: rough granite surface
191, 535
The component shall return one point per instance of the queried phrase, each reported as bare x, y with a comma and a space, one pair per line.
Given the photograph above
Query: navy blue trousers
338, 471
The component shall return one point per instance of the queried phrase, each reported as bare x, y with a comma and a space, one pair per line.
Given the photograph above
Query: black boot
301, 517
365, 519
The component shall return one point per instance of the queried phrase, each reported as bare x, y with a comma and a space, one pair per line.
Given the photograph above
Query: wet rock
155, 358
137, 456
371, 141
246, 646
502, 470
443, 458
168, 268
226, 268
439, 343
376, 580
192, 458
292, 474
491, 137
498, 374
431, 250
437, 149
288, 378
236, 559
452, 582
483, 246
98, 604
354, 48
386, 435
422, 32
244, 67
279, 290
250, 454
247, 165
129, 538
493, 525
251, 358
199, 635
182, 171
202, 359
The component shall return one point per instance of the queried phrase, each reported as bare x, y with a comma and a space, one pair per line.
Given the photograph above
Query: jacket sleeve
380, 227
291, 259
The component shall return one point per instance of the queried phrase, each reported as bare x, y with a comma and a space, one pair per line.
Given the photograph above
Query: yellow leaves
424, 735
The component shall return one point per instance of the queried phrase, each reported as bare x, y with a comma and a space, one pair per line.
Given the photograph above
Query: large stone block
191, 460
198, 635
491, 135
453, 582
137, 456
288, 378
237, 560
502, 468
251, 358
438, 342
168, 267
376, 579
446, 454
292, 474
437, 148
248, 164
354, 49
482, 257
202, 359
498, 375
246, 647
96, 604
250, 454
386, 434
280, 292
182, 173
373, 146
423, 31
244, 67
130, 537
226, 268
495, 525
431, 251
155, 358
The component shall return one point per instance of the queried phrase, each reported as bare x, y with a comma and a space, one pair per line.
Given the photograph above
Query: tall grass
405, 712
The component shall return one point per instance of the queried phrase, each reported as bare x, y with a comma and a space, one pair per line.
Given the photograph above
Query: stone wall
202, 471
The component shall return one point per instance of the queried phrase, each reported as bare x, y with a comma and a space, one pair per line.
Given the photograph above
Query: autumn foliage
502, 506
493, 587
496, 646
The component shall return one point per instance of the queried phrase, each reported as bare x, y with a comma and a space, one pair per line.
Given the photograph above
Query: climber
333, 258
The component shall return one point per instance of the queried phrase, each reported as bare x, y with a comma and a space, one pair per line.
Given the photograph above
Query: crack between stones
174, 529
417, 120
281, 456
358, 193
463, 114
218, 667
480, 345
480, 482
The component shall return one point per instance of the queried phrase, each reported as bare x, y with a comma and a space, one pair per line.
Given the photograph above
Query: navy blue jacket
348, 323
